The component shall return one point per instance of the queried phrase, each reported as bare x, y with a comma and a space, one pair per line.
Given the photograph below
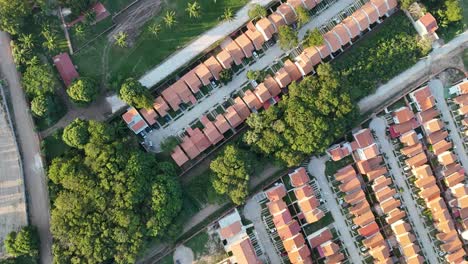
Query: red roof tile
65, 68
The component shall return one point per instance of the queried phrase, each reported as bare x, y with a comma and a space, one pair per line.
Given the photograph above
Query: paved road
437, 60
220, 95
379, 125
437, 89
253, 212
36, 187
317, 168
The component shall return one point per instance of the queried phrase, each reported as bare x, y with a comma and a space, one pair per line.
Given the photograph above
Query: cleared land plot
148, 51
12, 202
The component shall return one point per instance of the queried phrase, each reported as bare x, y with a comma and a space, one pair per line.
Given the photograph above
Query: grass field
149, 51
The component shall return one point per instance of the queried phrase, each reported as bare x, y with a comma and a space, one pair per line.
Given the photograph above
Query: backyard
149, 50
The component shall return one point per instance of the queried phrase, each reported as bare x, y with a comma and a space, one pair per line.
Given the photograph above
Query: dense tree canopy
256, 11
302, 16
23, 246
83, 91
135, 94
42, 105
313, 38
76, 134
38, 79
287, 38
110, 197
232, 169
12, 14
309, 118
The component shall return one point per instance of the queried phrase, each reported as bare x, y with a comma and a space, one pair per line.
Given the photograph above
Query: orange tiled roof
371, 12
225, 59
221, 124
313, 54
342, 33
292, 70
256, 37
352, 27
161, 106
276, 207
203, 73
416, 161
241, 108
214, 66
429, 22
236, 53
332, 41
320, 237
276, 193
199, 139
179, 156
345, 174
189, 147
232, 117
394, 216
427, 115
244, 252
412, 150
403, 114
329, 248
287, 13
446, 158
272, 85
231, 230
149, 115
381, 6
266, 28
282, 78
299, 177
277, 20
304, 64
262, 93
251, 100
361, 19
245, 44
192, 81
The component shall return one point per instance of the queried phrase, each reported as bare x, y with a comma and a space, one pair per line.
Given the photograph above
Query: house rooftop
266, 28
282, 78
192, 81
241, 108
245, 45
329, 248
277, 207
221, 124
212, 133
251, 100
289, 230
179, 156
313, 54
402, 114
214, 66
276, 192
441, 146
361, 19
427, 115
409, 138
352, 26
236, 53
232, 117
189, 147
203, 72
342, 33
225, 59
371, 12
287, 12
134, 120
262, 93
304, 64
320, 236
446, 158
272, 86
429, 23
299, 177
256, 37
160, 106
416, 161
363, 138
65, 68
149, 115
345, 174
244, 252
170, 96
433, 125
332, 41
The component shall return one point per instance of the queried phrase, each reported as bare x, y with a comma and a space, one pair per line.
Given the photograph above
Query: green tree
83, 91
225, 76
121, 39
405, 4
38, 79
313, 38
51, 39
170, 18
23, 243
193, 9
232, 168
135, 94
302, 16
228, 15
80, 31
26, 41
154, 29
257, 76
287, 38
169, 144
76, 134
42, 105
453, 11
12, 15
257, 11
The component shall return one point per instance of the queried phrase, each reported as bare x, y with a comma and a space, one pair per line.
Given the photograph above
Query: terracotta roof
332, 41
360, 208
446, 158
385, 193
329, 248
241, 108
373, 241
465, 121
301, 255
313, 54
256, 37
433, 125
225, 59
342, 34
392, 3
134, 120
411, 250
452, 246
304, 191
276, 193
381, 182
389, 204
425, 182
336, 258
366, 166
289, 230
65, 68
179, 156
189, 147
463, 110
400, 227
244, 252
319, 237
221, 124
214, 66
406, 238
463, 87
204, 73
361, 19
192, 81
461, 99
294, 243
441, 146
338, 152
454, 179
236, 52
409, 138
429, 22
199, 139
420, 96
251, 100
295, 3
363, 138
277, 20
211, 132
447, 237
368, 152
149, 115
352, 27
437, 204
299, 177
230, 230
355, 197
394, 216
427, 115
380, 253
459, 190
266, 28
371, 12
373, 174
314, 215
350, 185
309, 4
233, 117
422, 171
364, 219
276, 207
381, 6
307, 204
456, 257
402, 114
292, 70
417, 160
345, 174
287, 13
430, 193
245, 44
323, 50
272, 86
262, 93
282, 78
182, 90
282, 218
161, 106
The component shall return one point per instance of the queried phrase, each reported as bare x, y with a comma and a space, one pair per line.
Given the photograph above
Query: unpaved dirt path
183, 254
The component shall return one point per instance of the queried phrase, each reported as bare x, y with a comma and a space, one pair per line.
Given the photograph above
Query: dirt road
36, 188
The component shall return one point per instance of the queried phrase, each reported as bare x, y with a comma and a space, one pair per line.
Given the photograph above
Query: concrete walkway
221, 94
379, 125
437, 89
436, 61
317, 168
184, 56
253, 212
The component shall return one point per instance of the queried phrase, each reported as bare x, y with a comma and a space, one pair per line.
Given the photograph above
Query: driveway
253, 212
437, 89
36, 187
317, 169
379, 125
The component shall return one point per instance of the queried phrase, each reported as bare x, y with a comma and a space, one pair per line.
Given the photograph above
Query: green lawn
149, 51
198, 244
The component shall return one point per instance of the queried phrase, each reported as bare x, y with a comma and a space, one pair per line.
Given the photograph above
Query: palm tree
193, 9
26, 41
154, 29
169, 18
50, 39
228, 15
80, 31
121, 39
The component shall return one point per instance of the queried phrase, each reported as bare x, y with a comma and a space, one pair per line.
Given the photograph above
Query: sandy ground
12, 196
183, 254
